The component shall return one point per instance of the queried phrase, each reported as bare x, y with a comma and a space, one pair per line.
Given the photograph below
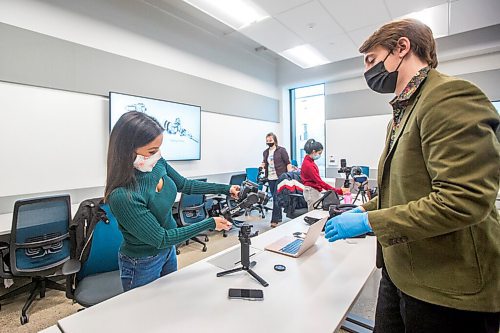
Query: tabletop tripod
244, 237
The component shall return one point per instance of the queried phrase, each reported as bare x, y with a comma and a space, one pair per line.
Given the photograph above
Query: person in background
275, 163
435, 217
309, 174
141, 188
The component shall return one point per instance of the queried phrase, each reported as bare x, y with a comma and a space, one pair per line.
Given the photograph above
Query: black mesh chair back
39, 246
39, 234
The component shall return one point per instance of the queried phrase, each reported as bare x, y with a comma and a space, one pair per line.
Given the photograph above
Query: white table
312, 295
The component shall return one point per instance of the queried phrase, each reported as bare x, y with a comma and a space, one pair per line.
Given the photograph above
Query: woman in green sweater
140, 189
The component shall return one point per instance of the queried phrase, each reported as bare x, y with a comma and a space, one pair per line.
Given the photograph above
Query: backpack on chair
95, 241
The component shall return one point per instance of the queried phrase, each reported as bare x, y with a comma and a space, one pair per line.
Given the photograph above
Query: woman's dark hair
312, 145
274, 138
133, 130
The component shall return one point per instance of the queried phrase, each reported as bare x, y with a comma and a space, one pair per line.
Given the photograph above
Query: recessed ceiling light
305, 56
235, 13
436, 18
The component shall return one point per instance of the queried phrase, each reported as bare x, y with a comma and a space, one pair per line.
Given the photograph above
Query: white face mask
146, 164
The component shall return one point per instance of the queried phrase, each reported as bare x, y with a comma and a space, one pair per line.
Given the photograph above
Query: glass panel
309, 116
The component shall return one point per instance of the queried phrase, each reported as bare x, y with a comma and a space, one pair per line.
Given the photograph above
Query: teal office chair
192, 209
39, 247
294, 163
253, 176
99, 241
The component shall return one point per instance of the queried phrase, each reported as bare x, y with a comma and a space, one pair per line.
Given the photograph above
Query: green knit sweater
145, 216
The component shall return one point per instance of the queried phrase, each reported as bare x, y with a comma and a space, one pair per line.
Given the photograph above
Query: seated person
309, 174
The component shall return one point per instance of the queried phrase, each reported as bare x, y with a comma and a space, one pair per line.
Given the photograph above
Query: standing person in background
141, 188
435, 218
309, 174
275, 163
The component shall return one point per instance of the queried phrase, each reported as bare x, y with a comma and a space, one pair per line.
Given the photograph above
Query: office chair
99, 276
236, 179
253, 175
192, 209
39, 247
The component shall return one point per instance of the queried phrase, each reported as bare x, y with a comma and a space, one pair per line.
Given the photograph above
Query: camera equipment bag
329, 198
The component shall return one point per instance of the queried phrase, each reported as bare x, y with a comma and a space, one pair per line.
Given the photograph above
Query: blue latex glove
347, 225
352, 211
355, 210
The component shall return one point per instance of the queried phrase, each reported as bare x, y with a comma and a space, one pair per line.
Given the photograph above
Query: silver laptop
294, 247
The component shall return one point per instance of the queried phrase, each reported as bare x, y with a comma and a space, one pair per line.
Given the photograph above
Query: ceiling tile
274, 7
360, 35
310, 21
337, 47
272, 34
355, 14
473, 14
399, 8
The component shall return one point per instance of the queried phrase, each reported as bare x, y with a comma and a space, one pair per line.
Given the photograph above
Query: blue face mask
316, 157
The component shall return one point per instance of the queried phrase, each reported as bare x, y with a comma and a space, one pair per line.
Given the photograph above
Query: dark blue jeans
400, 313
136, 272
277, 215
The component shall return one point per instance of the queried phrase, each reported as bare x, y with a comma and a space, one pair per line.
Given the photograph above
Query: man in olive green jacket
435, 217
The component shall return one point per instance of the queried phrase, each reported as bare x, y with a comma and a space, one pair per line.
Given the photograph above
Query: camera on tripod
261, 176
357, 175
345, 170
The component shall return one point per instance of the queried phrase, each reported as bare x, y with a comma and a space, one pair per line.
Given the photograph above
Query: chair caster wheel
206, 239
24, 319
224, 235
204, 249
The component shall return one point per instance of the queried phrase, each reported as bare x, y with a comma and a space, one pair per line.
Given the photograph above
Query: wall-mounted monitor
182, 123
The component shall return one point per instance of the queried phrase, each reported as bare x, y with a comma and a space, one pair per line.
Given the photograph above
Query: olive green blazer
435, 215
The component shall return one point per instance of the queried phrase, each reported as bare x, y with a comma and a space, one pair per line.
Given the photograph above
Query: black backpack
329, 198
82, 227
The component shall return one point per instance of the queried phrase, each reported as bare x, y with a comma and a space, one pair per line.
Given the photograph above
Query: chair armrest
71, 266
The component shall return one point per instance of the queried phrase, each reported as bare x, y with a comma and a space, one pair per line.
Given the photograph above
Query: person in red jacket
309, 174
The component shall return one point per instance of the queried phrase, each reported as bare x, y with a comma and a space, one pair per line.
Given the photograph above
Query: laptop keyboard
292, 247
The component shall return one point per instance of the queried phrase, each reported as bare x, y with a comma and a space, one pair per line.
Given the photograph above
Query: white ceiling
336, 28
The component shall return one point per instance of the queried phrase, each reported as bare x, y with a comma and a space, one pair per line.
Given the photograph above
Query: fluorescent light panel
435, 17
305, 56
235, 13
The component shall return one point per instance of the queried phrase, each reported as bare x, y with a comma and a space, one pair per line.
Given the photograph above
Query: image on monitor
182, 123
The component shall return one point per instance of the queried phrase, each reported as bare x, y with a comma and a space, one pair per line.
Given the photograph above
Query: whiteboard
360, 140
51, 140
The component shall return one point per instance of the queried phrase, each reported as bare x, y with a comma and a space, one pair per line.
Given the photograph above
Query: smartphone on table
248, 294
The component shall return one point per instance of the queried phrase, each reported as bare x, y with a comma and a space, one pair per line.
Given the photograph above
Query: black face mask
270, 144
380, 80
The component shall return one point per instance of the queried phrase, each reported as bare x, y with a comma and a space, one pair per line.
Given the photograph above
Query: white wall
359, 140
53, 140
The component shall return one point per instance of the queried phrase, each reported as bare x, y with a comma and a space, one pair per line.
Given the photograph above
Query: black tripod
244, 237
361, 190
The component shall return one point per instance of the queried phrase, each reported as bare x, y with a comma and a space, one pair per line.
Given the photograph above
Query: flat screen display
182, 123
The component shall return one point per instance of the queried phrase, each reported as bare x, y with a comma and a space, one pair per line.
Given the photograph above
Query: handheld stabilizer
249, 195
